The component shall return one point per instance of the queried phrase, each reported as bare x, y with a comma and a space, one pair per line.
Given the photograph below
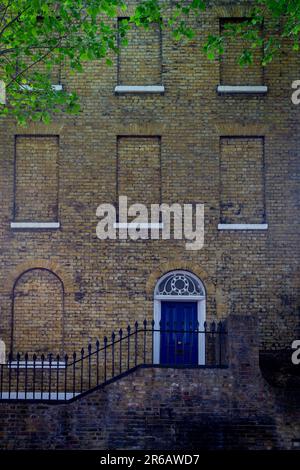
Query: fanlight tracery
180, 284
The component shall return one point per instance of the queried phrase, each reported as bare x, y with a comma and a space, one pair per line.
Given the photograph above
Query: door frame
201, 313
196, 296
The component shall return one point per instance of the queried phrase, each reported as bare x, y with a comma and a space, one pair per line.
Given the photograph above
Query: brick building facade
183, 140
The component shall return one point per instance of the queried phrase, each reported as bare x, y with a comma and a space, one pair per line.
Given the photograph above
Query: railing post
168, 330
1, 384
128, 347
9, 373
197, 339
145, 340
113, 354
42, 375
219, 335
74, 372
66, 376
81, 369
191, 337
120, 350
50, 373
136, 326
152, 340
183, 342
57, 376
89, 363
205, 341
176, 330
97, 361
34, 357
26, 374
105, 357
213, 341
18, 373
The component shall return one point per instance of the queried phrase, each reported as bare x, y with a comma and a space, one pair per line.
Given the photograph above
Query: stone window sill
34, 225
136, 225
56, 87
242, 226
137, 89
38, 365
246, 89
37, 396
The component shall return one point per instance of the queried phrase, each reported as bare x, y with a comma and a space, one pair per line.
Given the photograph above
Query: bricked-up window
242, 180
37, 320
36, 178
231, 73
139, 170
53, 74
139, 63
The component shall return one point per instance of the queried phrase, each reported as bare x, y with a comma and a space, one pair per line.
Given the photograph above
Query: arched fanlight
179, 283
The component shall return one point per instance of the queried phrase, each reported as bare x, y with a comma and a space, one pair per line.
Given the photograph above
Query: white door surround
179, 286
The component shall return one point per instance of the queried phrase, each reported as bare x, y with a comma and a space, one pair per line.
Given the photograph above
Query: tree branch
13, 20
40, 59
5, 11
6, 51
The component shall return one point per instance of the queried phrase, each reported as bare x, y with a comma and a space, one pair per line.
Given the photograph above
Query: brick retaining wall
157, 408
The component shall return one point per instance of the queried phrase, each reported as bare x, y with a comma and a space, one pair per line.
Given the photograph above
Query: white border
201, 315
35, 225
242, 89
242, 226
139, 89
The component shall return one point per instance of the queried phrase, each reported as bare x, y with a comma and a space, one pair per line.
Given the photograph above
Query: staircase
65, 379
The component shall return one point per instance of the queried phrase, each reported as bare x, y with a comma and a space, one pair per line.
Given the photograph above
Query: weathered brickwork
245, 271
36, 178
37, 317
167, 409
108, 284
138, 172
242, 180
54, 75
140, 60
231, 72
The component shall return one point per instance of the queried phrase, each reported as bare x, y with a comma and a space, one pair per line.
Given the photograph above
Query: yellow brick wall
140, 60
231, 72
107, 282
139, 173
54, 74
36, 178
242, 180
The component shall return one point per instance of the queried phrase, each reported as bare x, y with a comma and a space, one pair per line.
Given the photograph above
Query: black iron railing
62, 378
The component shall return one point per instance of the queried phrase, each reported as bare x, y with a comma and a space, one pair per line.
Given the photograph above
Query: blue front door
178, 335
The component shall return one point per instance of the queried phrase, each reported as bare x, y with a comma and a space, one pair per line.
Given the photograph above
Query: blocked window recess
37, 314
140, 61
36, 182
139, 170
242, 185
234, 78
53, 73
